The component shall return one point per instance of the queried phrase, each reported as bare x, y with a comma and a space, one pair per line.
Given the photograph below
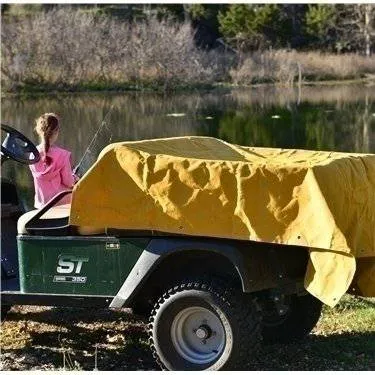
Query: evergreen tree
320, 25
250, 26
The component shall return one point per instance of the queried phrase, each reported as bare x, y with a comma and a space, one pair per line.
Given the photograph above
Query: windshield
103, 136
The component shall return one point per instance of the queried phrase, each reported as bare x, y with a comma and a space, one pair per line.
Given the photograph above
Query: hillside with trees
133, 46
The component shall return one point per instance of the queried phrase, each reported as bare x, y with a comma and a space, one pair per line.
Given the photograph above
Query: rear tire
4, 311
302, 316
204, 326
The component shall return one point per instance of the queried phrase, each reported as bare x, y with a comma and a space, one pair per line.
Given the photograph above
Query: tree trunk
367, 28
187, 17
366, 127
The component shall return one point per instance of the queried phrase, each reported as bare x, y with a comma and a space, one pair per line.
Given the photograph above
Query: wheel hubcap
198, 335
204, 332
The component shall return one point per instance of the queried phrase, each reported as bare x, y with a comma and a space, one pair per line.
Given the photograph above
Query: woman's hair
46, 126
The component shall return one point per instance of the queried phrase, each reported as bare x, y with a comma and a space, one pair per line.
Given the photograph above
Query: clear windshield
103, 136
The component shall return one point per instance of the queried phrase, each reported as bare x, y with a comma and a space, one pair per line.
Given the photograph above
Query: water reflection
340, 118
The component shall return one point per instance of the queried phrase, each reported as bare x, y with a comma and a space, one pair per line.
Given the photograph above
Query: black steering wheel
18, 147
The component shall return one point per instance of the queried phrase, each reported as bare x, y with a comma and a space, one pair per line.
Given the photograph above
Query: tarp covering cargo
203, 186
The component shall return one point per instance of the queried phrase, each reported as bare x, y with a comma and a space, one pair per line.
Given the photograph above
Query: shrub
70, 47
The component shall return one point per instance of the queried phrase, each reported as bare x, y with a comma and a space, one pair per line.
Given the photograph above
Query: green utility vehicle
210, 301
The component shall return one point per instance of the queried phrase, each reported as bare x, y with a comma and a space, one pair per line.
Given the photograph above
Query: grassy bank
35, 338
71, 50
289, 67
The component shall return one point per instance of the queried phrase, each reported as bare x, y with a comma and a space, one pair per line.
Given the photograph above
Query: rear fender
158, 249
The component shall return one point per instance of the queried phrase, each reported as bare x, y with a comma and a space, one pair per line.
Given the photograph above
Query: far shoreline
31, 91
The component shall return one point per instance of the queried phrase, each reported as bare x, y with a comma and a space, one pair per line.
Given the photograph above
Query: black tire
236, 315
4, 311
302, 316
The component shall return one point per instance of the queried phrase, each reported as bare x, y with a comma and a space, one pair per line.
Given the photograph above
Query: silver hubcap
198, 335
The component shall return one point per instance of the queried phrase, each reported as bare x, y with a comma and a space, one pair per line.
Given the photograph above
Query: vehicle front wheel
204, 326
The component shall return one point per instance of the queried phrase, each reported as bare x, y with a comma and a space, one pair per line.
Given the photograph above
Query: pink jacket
54, 178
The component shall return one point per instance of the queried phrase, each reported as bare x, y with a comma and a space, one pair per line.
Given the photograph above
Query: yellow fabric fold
329, 275
203, 186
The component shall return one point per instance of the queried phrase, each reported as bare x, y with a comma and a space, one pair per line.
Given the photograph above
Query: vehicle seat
55, 221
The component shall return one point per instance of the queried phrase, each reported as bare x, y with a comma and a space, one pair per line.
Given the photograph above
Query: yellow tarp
206, 187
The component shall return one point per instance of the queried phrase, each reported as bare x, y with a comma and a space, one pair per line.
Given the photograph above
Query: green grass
350, 315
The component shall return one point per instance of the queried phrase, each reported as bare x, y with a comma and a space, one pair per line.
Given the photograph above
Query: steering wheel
18, 147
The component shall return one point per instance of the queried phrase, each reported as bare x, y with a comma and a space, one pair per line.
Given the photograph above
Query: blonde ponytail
46, 126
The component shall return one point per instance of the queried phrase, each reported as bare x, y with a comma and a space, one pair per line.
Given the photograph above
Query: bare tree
356, 25
366, 134
369, 24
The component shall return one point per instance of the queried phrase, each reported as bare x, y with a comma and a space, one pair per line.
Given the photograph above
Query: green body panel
76, 265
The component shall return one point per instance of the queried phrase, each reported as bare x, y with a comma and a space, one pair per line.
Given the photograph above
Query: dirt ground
41, 338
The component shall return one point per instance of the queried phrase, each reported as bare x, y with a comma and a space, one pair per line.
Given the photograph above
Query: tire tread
243, 311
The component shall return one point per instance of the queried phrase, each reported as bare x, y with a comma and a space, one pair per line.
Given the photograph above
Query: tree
369, 26
355, 27
250, 26
292, 20
320, 23
204, 19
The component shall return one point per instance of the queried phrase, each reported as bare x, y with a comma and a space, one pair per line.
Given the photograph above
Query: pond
335, 118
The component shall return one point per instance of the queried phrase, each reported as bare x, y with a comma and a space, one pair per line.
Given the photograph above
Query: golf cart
211, 300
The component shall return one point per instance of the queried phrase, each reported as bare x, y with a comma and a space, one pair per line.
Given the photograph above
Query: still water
338, 118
